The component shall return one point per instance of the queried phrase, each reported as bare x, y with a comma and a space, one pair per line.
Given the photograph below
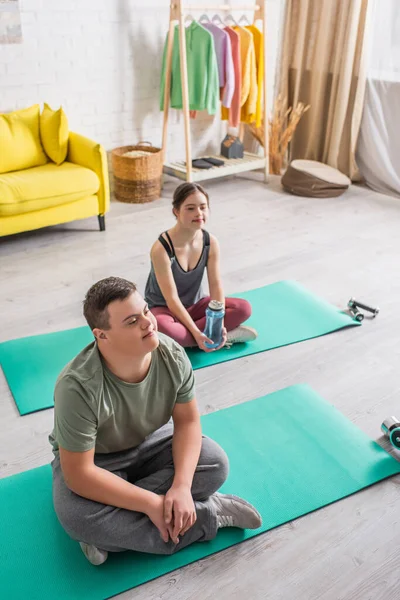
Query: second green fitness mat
283, 313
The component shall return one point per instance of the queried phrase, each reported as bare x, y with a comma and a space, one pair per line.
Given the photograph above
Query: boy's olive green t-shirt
95, 409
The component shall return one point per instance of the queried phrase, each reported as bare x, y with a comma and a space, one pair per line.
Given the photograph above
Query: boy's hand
179, 511
156, 514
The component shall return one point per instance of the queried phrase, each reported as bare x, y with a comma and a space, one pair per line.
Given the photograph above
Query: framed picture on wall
10, 22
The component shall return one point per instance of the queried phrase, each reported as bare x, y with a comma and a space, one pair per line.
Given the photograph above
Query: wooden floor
349, 246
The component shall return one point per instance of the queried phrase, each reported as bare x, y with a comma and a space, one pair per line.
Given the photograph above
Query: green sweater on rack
202, 70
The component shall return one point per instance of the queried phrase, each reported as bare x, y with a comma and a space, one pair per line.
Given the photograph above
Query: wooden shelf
232, 166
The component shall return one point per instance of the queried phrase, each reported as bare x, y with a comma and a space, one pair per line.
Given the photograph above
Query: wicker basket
137, 179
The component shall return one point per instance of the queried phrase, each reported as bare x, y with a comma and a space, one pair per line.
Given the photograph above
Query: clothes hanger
243, 19
204, 17
189, 17
217, 20
230, 18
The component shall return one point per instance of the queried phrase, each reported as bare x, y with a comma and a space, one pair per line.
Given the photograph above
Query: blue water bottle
215, 313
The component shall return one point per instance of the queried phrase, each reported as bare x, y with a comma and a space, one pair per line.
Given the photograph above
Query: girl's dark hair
185, 190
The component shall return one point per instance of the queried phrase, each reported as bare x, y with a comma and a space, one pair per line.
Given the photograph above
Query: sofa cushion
44, 187
20, 145
54, 133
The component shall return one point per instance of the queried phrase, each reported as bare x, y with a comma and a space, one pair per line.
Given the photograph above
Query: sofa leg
102, 222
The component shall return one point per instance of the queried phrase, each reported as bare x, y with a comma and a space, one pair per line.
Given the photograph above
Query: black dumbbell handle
366, 307
353, 303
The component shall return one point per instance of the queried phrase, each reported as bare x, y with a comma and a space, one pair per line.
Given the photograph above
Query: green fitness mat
290, 452
283, 313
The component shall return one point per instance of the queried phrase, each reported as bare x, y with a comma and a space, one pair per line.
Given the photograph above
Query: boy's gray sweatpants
149, 466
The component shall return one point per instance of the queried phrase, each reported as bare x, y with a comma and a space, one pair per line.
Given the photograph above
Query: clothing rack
250, 161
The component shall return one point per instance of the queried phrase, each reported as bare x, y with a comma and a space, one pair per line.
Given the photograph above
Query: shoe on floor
241, 334
233, 511
94, 555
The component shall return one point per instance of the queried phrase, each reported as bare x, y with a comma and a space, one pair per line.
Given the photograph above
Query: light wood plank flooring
337, 248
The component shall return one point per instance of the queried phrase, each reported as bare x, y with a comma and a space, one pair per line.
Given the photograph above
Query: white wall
101, 60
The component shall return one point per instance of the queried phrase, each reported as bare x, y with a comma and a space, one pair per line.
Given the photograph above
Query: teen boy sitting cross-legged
124, 476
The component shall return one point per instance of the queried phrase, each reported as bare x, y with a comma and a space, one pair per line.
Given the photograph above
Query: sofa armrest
86, 153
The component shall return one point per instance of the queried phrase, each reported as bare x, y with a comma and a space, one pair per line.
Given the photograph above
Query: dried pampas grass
282, 126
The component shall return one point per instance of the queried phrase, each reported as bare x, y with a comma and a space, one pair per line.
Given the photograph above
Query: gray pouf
314, 179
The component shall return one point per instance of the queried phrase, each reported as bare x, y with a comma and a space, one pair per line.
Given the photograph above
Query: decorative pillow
54, 133
20, 146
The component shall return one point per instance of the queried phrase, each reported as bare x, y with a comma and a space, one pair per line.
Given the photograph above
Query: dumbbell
391, 429
354, 304
355, 313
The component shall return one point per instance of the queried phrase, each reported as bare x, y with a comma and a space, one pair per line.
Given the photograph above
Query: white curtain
378, 149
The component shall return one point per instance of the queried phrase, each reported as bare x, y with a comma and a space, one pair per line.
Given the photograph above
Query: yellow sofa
50, 194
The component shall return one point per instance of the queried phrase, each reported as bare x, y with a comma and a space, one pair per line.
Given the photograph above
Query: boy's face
133, 328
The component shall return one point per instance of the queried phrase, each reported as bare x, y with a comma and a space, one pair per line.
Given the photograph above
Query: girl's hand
201, 341
224, 338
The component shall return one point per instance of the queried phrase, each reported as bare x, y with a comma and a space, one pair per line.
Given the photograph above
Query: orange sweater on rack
248, 101
258, 40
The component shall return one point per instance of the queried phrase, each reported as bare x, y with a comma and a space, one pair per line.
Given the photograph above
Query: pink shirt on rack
233, 113
226, 72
